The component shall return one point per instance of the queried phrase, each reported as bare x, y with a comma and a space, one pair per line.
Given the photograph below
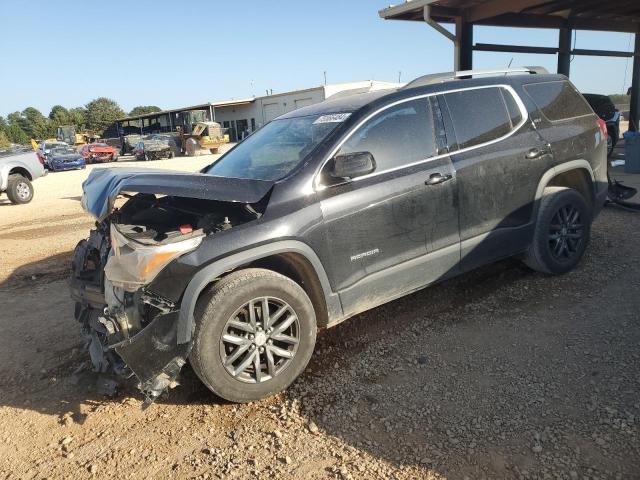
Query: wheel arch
576, 174
291, 258
21, 171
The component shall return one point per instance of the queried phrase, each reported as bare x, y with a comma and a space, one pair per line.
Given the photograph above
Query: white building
244, 116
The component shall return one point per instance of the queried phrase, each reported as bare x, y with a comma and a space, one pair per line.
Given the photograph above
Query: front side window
482, 115
275, 150
398, 136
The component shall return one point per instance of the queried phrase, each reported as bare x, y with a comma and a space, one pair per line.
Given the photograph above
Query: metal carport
563, 15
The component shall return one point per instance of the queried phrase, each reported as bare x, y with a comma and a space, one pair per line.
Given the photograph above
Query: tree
78, 117
18, 120
4, 140
16, 135
59, 115
144, 109
37, 124
102, 112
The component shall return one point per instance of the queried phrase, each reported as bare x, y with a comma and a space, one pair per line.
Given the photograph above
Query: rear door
566, 120
390, 232
499, 158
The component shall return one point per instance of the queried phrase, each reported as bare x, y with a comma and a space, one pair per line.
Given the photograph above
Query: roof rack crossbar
444, 77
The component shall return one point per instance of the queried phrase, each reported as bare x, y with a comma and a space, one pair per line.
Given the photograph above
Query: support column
634, 116
464, 45
564, 55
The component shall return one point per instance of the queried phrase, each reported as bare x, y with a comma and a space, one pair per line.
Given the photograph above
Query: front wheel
19, 189
255, 333
562, 232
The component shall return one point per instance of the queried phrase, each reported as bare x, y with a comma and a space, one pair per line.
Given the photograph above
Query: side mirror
47, 151
352, 165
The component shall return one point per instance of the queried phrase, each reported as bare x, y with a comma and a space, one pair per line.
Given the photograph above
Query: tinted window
479, 116
558, 100
397, 136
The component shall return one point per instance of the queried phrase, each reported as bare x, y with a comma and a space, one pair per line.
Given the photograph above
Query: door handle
536, 153
437, 179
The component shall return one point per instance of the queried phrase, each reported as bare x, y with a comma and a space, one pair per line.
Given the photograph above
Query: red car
98, 152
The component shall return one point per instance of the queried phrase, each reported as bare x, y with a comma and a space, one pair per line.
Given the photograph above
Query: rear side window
482, 115
398, 136
558, 100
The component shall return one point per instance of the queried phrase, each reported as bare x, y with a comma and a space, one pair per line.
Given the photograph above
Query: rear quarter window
558, 100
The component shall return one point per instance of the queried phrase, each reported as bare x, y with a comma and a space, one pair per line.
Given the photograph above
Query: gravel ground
502, 373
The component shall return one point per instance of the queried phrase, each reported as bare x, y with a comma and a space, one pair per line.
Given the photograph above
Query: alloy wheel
260, 340
566, 233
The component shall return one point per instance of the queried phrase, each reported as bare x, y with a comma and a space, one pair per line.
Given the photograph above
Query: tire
191, 147
610, 146
19, 189
560, 237
226, 301
171, 154
146, 157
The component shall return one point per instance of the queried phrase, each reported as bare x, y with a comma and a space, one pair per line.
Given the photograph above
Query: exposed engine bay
129, 329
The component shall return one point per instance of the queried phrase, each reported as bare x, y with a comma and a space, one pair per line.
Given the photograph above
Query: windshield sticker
334, 118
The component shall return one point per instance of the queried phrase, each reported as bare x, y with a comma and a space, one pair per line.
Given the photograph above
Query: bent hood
100, 190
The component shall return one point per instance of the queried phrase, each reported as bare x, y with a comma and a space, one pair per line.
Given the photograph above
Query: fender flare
209, 273
565, 167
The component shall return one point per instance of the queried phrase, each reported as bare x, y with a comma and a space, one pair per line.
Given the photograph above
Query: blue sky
172, 54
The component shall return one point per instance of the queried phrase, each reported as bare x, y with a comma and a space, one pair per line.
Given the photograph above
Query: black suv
329, 211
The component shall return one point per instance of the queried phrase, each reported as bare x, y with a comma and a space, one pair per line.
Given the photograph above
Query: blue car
64, 158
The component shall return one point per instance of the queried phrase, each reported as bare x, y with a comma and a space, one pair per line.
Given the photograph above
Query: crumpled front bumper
151, 352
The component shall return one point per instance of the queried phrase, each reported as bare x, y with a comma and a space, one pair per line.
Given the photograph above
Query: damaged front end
128, 328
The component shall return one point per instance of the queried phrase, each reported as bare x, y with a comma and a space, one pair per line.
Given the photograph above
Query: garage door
271, 111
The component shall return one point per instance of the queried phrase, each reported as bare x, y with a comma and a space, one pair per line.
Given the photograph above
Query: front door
395, 230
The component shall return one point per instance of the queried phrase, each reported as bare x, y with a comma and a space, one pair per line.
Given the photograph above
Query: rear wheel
255, 333
19, 189
562, 231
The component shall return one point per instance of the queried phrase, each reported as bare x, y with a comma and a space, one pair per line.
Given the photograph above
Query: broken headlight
132, 265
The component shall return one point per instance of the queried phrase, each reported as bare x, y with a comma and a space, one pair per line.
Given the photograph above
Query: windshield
276, 149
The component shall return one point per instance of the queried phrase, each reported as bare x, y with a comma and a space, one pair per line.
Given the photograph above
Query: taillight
40, 158
603, 128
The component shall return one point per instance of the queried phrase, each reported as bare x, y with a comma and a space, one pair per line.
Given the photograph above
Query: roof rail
445, 77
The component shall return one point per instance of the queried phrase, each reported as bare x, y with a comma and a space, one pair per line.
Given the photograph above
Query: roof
430, 84
609, 15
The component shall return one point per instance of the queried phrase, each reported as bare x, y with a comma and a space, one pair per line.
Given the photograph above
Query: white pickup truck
18, 168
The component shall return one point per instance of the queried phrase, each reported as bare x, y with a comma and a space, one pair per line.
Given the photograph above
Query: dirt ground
502, 373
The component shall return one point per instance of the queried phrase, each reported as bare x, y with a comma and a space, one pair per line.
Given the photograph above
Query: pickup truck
18, 168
